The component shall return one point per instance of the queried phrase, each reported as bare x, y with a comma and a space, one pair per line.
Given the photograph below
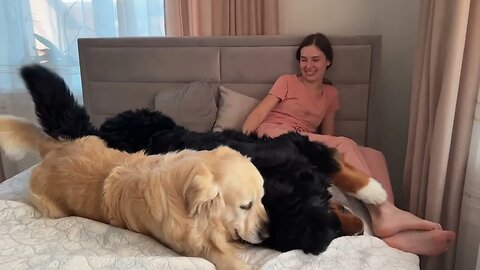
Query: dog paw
372, 193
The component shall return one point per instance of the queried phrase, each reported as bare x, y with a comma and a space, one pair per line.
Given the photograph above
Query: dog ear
224, 151
203, 196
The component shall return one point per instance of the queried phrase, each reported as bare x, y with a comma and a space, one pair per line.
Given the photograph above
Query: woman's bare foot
388, 220
421, 242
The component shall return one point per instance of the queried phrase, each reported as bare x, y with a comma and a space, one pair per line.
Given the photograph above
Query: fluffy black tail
57, 110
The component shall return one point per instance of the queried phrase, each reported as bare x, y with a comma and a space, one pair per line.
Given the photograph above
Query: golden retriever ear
223, 151
203, 196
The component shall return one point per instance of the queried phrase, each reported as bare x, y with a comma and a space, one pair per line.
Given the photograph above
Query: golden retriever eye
246, 207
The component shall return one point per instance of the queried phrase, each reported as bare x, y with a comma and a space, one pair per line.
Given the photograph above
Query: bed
202, 83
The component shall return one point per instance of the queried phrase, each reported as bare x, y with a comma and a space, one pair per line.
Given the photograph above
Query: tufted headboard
125, 73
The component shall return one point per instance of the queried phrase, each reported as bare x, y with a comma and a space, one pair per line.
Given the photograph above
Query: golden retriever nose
264, 233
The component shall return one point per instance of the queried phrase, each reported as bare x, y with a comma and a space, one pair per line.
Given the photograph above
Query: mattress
30, 241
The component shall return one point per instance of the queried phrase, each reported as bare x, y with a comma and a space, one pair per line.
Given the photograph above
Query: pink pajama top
300, 108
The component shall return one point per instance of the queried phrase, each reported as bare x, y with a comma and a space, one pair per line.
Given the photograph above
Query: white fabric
29, 241
468, 241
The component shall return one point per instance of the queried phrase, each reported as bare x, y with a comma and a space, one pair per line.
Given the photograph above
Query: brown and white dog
195, 202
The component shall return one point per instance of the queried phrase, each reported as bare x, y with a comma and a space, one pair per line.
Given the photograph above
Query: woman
305, 102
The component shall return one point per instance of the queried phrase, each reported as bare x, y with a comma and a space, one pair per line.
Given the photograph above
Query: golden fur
195, 202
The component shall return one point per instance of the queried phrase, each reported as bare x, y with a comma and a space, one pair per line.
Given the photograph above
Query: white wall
396, 21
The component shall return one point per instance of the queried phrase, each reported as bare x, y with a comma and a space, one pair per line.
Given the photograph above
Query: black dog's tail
57, 110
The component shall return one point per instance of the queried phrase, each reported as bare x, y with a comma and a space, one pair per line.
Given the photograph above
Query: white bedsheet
29, 241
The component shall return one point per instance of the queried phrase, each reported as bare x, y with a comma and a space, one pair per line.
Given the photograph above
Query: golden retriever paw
372, 193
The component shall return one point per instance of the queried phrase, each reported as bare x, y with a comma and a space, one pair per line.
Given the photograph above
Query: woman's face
313, 63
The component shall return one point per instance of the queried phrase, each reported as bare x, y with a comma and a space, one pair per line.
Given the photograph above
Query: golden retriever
195, 202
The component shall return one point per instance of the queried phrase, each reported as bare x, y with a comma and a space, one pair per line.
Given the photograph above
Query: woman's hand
258, 114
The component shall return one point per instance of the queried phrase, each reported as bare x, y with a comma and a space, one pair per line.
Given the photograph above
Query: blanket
30, 241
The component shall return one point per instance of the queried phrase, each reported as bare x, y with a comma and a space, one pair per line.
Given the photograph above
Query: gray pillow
191, 105
233, 109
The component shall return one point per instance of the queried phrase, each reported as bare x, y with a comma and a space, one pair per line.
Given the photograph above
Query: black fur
70, 119
296, 171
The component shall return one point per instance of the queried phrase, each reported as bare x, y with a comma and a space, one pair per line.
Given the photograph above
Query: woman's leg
367, 160
388, 220
347, 147
429, 243
399, 229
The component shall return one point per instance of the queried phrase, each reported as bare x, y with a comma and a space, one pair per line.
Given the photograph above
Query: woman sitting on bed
304, 102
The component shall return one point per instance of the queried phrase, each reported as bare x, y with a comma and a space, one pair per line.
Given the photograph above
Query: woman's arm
258, 114
328, 124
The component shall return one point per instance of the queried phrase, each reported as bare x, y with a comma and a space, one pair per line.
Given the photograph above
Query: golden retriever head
226, 186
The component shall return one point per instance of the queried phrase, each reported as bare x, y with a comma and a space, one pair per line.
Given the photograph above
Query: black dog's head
297, 203
132, 130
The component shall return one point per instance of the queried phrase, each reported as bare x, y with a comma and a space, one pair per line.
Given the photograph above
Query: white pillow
233, 109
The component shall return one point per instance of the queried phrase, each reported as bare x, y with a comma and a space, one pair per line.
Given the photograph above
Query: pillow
233, 109
191, 105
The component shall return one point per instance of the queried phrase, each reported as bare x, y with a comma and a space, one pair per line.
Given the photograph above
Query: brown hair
321, 42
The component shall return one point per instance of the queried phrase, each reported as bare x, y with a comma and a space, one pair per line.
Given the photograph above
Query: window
46, 31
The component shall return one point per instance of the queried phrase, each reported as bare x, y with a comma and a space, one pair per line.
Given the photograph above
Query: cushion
233, 109
191, 105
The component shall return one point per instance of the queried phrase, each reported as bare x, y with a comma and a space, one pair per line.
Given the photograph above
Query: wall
396, 21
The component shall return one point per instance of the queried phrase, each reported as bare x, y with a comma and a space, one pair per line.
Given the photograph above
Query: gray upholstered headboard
125, 73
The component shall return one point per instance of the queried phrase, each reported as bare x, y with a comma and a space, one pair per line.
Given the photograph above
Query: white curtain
468, 242
46, 31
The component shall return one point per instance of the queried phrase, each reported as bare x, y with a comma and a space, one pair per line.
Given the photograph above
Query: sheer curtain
46, 32
468, 243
